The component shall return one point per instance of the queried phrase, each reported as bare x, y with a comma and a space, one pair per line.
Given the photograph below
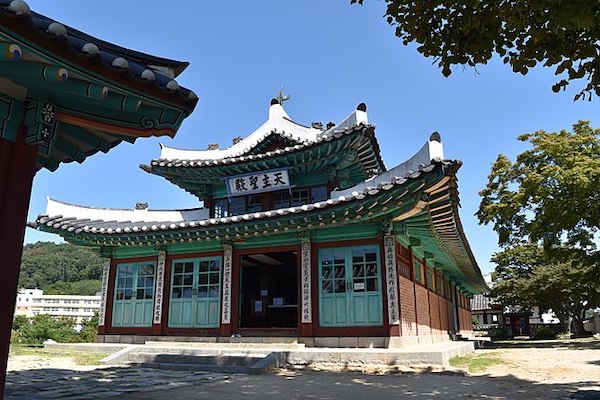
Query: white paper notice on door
359, 286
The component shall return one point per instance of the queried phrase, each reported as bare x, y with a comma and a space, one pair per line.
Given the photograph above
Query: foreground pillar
17, 168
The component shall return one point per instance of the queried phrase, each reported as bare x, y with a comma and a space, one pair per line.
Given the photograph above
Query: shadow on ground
51, 383
150, 384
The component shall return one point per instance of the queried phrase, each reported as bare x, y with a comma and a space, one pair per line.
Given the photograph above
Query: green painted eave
72, 104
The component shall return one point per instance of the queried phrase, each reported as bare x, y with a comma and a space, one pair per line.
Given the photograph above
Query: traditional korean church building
303, 233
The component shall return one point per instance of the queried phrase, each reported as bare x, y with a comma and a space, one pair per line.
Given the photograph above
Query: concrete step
234, 343
144, 357
223, 352
222, 369
434, 354
222, 360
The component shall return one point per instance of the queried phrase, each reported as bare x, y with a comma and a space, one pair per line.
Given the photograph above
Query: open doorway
269, 290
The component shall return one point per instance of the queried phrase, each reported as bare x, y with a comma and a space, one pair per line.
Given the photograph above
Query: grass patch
476, 362
79, 357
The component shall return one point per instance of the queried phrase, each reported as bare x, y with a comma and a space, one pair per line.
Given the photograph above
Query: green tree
544, 208
86, 287
550, 194
529, 276
559, 34
44, 264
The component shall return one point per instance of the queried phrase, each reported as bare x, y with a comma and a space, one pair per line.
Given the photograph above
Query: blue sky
329, 56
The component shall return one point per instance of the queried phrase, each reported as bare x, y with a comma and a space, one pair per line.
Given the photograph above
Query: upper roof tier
279, 124
280, 142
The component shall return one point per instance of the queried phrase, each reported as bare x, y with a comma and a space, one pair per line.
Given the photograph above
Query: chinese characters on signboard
102, 312
306, 299
226, 314
160, 280
255, 183
392, 279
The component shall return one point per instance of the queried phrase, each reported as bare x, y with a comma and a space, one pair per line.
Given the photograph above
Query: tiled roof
193, 163
115, 221
278, 123
141, 71
481, 302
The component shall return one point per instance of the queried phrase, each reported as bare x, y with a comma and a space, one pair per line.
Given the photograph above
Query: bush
43, 327
36, 330
89, 329
542, 332
14, 336
499, 334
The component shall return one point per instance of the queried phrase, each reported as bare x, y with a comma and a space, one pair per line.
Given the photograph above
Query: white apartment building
32, 302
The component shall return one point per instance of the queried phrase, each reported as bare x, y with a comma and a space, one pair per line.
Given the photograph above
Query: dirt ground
541, 370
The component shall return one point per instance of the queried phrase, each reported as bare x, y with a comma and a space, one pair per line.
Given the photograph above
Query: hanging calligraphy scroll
160, 282
306, 296
105, 273
391, 278
226, 310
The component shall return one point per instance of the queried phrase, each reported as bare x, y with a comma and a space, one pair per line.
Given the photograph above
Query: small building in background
31, 302
489, 313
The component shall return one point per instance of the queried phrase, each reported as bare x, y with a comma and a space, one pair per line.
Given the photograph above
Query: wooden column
17, 169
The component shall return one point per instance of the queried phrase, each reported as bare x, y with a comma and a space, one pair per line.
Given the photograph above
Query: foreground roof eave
109, 62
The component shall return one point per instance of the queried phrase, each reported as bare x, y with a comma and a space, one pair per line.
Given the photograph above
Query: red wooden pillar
17, 169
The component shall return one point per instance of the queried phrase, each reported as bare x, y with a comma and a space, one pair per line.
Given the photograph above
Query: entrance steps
257, 358
223, 363
246, 358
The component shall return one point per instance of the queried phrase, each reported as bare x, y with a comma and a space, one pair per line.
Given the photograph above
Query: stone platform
254, 355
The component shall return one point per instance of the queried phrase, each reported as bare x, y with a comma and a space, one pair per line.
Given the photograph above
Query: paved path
49, 383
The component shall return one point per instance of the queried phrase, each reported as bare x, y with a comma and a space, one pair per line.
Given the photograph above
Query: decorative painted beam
147, 126
10, 52
29, 71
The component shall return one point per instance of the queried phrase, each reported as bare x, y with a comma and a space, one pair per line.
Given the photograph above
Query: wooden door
134, 294
350, 287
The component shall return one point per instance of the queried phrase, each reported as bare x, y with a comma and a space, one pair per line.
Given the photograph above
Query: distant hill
61, 268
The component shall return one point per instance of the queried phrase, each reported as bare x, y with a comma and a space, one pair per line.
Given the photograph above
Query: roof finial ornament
281, 97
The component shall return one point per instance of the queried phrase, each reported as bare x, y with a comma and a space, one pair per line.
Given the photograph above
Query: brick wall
423, 320
466, 326
434, 311
450, 314
407, 307
443, 307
